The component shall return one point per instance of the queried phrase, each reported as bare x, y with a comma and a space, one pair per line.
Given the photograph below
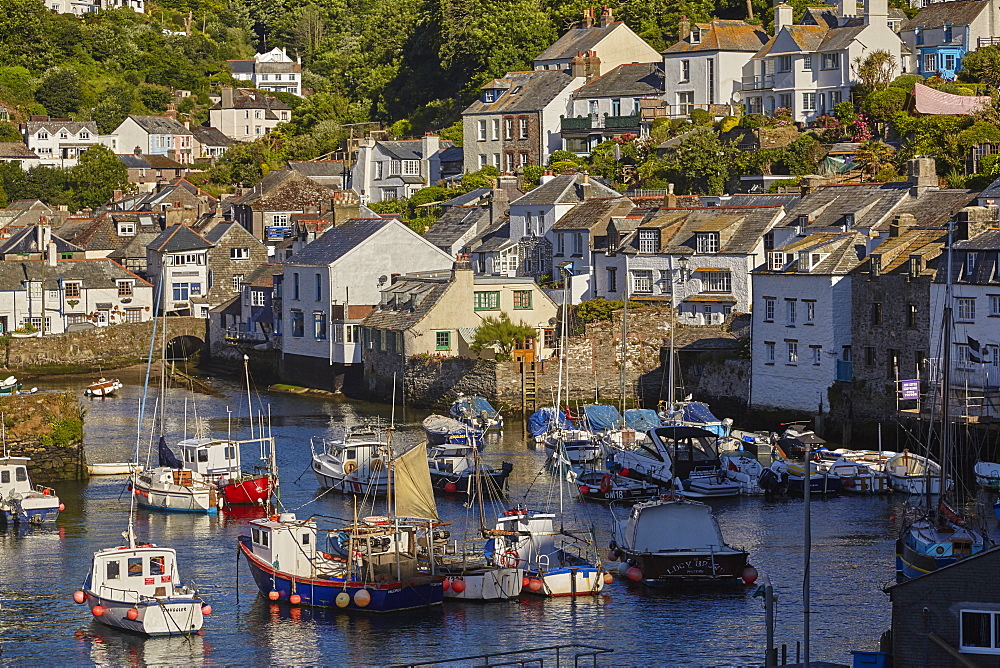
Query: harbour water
41, 567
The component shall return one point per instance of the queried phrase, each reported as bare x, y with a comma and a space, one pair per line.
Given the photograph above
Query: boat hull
483, 584
180, 500
916, 484
254, 491
566, 581
30, 511
459, 483
911, 563
691, 567
163, 616
350, 484
422, 592
817, 484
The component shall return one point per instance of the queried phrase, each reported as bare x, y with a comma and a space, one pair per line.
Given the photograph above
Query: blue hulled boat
443, 430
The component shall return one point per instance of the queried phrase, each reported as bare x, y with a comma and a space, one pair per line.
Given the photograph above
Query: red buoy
206, 610
624, 473
750, 574
132, 614
458, 586
98, 610
585, 490
273, 595
79, 596
446, 585
450, 487
535, 585
62, 507
525, 581
294, 599
633, 574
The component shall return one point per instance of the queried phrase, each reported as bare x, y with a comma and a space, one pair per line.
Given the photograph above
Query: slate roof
25, 240
719, 35
284, 190
99, 235
767, 199
739, 228
208, 136
338, 241
576, 40
100, 273
593, 214
631, 79
871, 203
160, 125
844, 252
148, 161
166, 194
895, 252
179, 238
15, 149
479, 195
991, 191
939, 14
537, 89
455, 223
55, 125
934, 208
496, 237
408, 300
565, 189
255, 100
135, 247
263, 276
987, 240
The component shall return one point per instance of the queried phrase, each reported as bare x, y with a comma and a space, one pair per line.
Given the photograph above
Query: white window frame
810, 311
830, 61
769, 352
769, 305
648, 241
790, 311
718, 281
642, 281
496, 129
817, 355
808, 101
965, 309
994, 647
708, 242
994, 305
239, 253
482, 130
792, 348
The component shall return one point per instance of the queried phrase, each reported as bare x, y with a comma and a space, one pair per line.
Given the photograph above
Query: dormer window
848, 220
696, 35
84, 134
489, 95
126, 229
708, 242
915, 266
918, 34
776, 261
63, 134
42, 134
947, 33
970, 265
648, 241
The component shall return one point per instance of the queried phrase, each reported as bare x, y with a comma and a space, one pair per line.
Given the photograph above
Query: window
133, 315
126, 229
295, 286
560, 239
298, 323
949, 62
508, 128
612, 279
911, 315
719, 281
482, 130
379, 167
642, 281
483, 158
237, 282
685, 103
947, 33
509, 161
114, 569
768, 310
790, 311
34, 289
42, 134
257, 298
876, 313
708, 242
616, 106
522, 128
318, 284
592, 106
522, 299
319, 325
817, 354
495, 135
648, 241
182, 291
776, 261
808, 101
784, 63
487, 301
395, 167
793, 351
810, 312
769, 352
71, 289
970, 265
685, 70
239, 253
966, 308
994, 305
831, 61
135, 567
411, 168
695, 35
442, 340
125, 289
351, 333
979, 632
871, 357
835, 98
807, 63
489, 95
930, 62
578, 243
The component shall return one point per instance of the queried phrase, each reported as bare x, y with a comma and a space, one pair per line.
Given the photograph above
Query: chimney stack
974, 220
782, 16
171, 111
670, 201
900, 223
847, 9
51, 254
607, 18
921, 175
876, 12
683, 29
578, 66
588, 17
592, 65
227, 97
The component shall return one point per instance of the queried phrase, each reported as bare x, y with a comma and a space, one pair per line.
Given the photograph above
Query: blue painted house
942, 34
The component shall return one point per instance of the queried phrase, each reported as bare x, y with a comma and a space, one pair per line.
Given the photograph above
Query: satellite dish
382, 279
737, 96
552, 321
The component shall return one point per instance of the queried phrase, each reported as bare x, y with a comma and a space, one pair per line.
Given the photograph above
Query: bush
600, 309
728, 123
701, 117
753, 121
906, 81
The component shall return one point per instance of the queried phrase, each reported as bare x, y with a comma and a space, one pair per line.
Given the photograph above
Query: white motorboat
579, 446
478, 581
353, 462
19, 502
103, 387
915, 474
138, 588
453, 469
856, 477
988, 475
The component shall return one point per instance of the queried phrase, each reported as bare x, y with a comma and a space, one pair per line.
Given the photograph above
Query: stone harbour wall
48, 428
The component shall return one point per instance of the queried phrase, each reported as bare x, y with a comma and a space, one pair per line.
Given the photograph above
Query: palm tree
502, 335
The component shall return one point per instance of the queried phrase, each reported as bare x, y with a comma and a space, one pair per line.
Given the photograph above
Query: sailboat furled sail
413, 493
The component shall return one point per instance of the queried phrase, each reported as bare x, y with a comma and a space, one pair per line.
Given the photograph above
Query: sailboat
939, 538
137, 586
374, 564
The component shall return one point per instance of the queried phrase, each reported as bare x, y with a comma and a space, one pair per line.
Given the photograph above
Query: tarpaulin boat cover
601, 417
439, 424
167, 457
698, 412
545, 418
641, 419
472, 406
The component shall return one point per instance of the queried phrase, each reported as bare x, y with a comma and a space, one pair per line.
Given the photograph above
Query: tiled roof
843, 251
496, 237
15, 149
722, 35
135, 247
25, 240
895, 252
871, 204
100, 273
455, 223
208, 136
410, 299
938, 14
535, 90
576, 40
160, 125
474, 197
179, 238
593, 214
934, 208
338, 241
739, 228
100, 235
992, 190
631, 79
54, 126
769, 199
566, 189
987, 240
148, 161
263, 276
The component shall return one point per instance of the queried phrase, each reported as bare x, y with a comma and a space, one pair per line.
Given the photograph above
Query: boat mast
945, 385
622, 373
807, 551
673, 334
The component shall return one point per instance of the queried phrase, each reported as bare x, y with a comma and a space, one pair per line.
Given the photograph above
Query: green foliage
600, 309
802, 156
97, 174
702, 162
565, 156
982, 66
881, 105
452, 133
9, 132
502, 335
728, 123
531, 174
60, 92
484, 178
753, 121
65, 431
906, 82
701, 117
155, 98
246, 164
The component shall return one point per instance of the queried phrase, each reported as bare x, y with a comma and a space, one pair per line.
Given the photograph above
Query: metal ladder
529, 387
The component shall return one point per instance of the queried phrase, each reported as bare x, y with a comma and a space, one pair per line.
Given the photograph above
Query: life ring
510, 559
350, 467
939, 549
605, 484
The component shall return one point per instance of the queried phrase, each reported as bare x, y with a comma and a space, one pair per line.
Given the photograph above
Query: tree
874, 156
502, 335
876, 71
155, 98
97, 174
115, 104
60, 92
982, 66
702, 162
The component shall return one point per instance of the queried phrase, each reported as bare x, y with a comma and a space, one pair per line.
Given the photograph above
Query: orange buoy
458, 586
633, 574
535, 584
98, 610
343, 599
62, 507
750, 574
362, 598
79, 596
273, 595
294, 599
132, 614
450, 487
525, 581
607, 578
446, 585
612, 555
206, 610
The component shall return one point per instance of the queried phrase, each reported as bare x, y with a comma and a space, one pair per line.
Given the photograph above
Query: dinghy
103, 388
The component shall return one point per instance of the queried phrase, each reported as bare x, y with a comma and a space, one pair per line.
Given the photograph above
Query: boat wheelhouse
20, 503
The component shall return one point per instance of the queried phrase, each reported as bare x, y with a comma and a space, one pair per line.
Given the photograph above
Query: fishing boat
915, 474
476, 412
103, 387
441, 430
172, 487
137, 588
933, 542
375, 565
793, 441
672, 540
20, 503
353, 461
856, 477
607, 487
988, 475
550, 427
453, 469
10, 386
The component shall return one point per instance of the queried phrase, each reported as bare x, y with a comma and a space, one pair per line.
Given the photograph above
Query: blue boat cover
545, 418
601, 417
472, 406
697, 411
641, 419
168, 458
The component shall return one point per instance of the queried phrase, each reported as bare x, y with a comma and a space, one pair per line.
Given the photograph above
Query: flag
974, 351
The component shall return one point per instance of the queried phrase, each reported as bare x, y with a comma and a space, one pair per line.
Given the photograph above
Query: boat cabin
14, 475
656, 526
126, 573
284, 542
686, 448
536, 535
210, 457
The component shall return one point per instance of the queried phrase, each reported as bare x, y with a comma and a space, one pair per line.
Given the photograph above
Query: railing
571, 654
845, 371
631, 121
578, 123
236, 335
757, 82
987, 41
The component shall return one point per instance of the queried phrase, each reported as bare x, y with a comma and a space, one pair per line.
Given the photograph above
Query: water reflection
109, 647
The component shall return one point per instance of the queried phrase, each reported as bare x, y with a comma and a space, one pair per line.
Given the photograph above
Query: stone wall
48, 428
101, 347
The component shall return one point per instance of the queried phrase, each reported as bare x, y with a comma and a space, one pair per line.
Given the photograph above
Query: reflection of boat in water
127, 649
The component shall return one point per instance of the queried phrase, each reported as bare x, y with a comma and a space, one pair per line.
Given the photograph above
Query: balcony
621, 122
757, 82
578, 123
